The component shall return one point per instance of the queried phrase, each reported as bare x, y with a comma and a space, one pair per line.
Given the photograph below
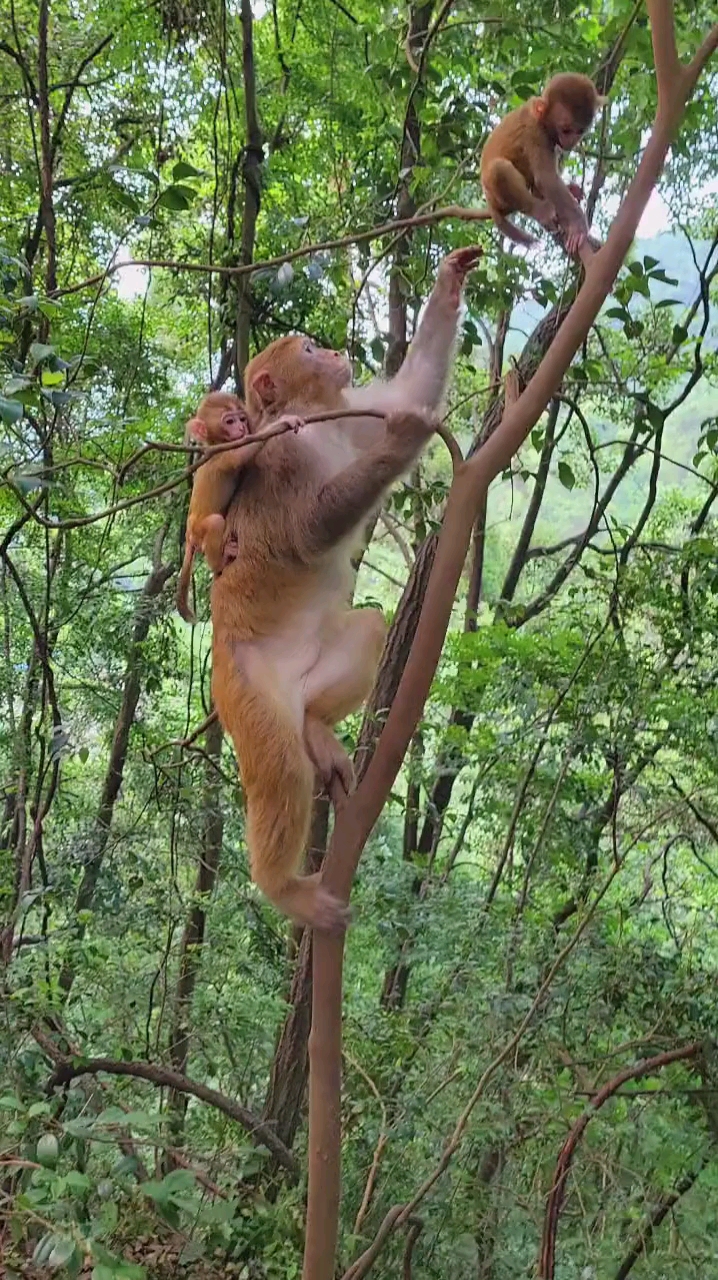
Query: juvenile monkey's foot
545, 214
328, 755
455, 268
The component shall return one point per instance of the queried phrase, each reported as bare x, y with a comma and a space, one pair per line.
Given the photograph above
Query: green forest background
552, 842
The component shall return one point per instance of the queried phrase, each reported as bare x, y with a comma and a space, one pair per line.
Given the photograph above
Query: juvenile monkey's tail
278, 780
183, 585
514, 233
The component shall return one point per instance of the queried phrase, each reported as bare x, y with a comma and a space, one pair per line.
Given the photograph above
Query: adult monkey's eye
308, 346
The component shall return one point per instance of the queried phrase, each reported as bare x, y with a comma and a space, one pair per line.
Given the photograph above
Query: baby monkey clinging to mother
519, 169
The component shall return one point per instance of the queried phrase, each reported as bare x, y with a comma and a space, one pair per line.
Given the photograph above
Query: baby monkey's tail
514, 233
278, 779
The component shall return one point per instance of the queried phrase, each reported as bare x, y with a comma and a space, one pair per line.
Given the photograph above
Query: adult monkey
290, 659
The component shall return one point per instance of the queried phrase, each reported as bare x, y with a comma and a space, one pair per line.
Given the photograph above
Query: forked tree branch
356, 818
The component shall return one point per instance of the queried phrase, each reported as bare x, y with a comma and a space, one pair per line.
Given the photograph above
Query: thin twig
249, 268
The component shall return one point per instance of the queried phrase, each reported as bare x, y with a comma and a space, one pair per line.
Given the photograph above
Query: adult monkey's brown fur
220, 417
519, 169
290, 659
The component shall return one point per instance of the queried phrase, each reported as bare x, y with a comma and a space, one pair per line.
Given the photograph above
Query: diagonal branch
69, 92
260, 1133
306, 251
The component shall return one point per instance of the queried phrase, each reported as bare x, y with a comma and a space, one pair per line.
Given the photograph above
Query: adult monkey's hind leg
341, 681
264, 719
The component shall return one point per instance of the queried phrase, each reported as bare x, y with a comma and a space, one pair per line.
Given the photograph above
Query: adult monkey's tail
278, 780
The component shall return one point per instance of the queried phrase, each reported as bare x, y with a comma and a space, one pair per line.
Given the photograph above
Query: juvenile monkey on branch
290, 659
220, 417
519, 169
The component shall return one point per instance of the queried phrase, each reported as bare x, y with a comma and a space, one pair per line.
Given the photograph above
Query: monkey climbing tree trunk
356, 818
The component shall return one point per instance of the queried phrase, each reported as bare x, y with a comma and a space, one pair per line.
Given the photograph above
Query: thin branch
71, 87
249, 268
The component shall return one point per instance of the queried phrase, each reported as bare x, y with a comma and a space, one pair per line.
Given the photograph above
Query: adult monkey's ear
264, 388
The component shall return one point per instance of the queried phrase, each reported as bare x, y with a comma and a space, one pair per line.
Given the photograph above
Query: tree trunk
190, 957
154, 584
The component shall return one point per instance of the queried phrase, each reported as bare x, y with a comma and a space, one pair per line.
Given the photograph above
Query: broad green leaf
48, 1150
177, 198
184, 170
10, 410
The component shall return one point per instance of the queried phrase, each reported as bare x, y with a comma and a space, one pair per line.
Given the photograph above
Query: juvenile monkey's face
567, 130
234, 424
330, 367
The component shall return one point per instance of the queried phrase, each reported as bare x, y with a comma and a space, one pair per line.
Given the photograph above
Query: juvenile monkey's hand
575, 232
230, 551
410, 427
575, 190
455, 268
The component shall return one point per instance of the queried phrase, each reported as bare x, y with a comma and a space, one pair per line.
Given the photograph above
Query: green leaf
62, 1250
43, 1248
20, 383
38, 1109
618, 313
38, 352
184, 170
566, 476
48, 1150
680, 333
50, 379
10, 410
84, 754
178, 198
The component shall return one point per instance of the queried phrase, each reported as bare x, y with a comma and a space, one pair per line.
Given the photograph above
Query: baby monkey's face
234, 424
567, 130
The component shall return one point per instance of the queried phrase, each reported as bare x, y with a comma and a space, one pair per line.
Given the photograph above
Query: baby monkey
519, 169
221, 417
